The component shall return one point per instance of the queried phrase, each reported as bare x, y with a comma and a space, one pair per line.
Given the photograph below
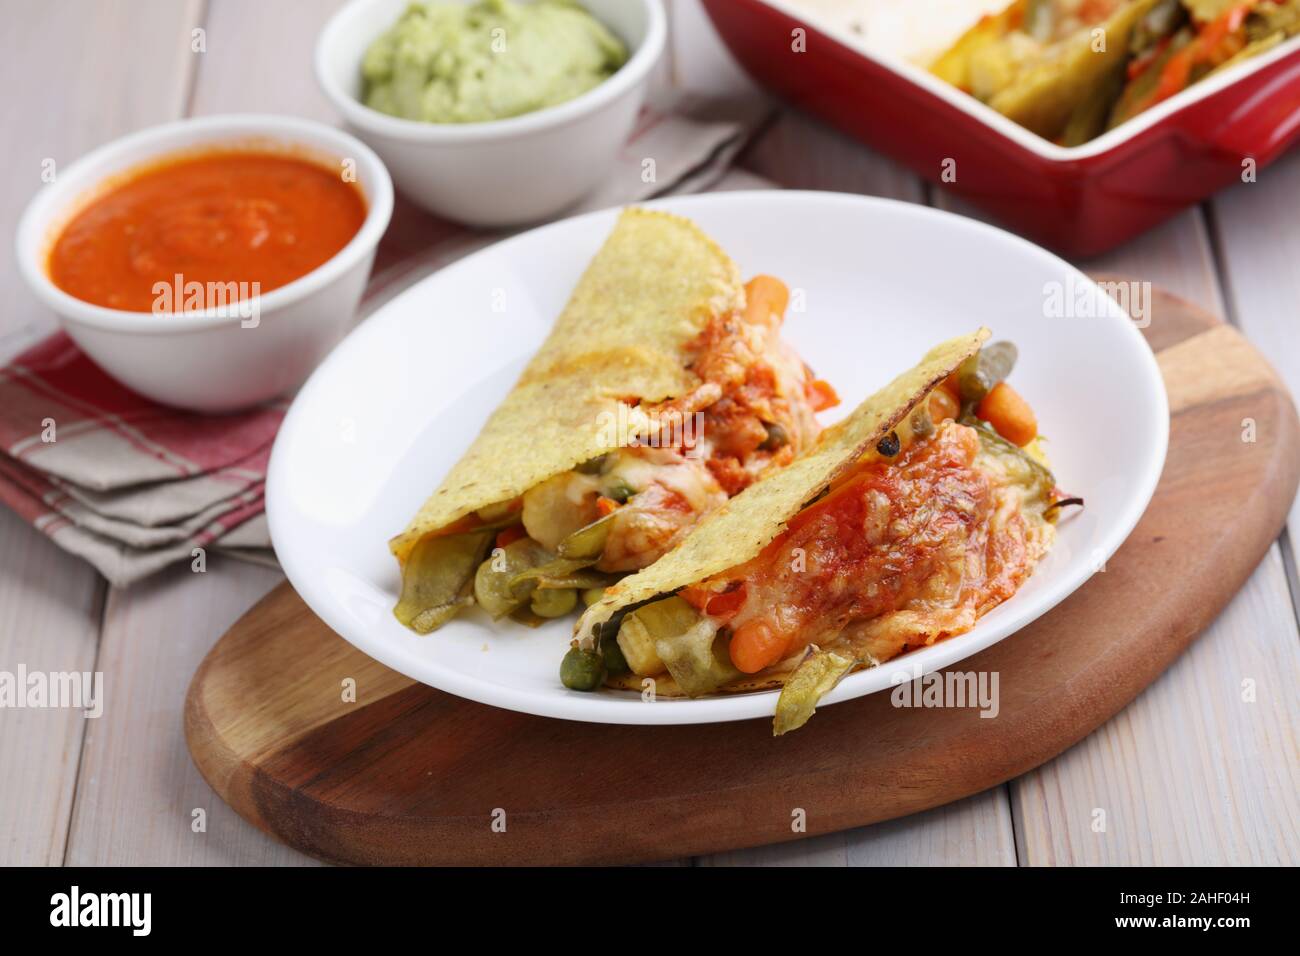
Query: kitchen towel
132, 486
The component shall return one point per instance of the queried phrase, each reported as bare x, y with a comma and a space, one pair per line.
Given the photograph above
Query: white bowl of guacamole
492, 112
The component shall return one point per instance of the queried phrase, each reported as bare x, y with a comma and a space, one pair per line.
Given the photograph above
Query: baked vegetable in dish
927, 507
663, 389
1071, 69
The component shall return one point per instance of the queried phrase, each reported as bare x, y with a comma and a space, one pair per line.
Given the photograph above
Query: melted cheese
640, 467
937, 545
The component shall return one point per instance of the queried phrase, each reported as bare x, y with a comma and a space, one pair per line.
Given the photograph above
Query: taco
924, 509
663, 389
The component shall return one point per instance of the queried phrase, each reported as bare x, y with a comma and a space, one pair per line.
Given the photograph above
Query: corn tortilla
652, 288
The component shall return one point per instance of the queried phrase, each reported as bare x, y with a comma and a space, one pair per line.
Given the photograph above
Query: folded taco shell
651, 289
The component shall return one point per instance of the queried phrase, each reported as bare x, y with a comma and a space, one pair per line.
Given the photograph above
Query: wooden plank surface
1257, 232
1175, 256
976, 831
259, 59
49, 621
104, 70
1194, 771
139, 791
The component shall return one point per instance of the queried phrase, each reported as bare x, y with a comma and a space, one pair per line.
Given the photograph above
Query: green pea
554, 602
582, 670
619, 490
591, 595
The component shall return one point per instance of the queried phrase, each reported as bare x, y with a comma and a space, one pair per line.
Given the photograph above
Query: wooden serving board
410, 775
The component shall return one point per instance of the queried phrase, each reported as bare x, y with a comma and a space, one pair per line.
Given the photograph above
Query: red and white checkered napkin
128, 485
132, 486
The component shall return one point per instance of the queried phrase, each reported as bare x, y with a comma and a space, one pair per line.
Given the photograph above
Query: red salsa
217, 217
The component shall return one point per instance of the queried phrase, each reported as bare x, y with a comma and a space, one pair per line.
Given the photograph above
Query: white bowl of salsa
210, 263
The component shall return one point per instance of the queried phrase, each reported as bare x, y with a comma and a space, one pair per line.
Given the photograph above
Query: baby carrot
765, 300
1006, 411
943, 405
821, 395
756, 645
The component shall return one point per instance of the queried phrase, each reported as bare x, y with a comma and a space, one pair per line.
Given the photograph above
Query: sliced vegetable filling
942, 521
753, 410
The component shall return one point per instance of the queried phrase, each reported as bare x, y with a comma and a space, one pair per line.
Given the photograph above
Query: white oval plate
379, 424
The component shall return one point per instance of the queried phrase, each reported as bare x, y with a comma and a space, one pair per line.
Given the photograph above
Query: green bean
582, 670
812, 680
557, 573
1138, 90
588, 541
979, 373
1160, 21
1088, 119
1040, 19
1022, 468
436, 579
579, 580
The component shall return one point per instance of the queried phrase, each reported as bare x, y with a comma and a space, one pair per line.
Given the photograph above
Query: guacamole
489, 60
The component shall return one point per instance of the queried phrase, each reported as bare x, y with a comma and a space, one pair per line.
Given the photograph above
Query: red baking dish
1081, 200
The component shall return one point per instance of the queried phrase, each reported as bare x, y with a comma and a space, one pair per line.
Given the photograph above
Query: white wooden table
1189, 773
